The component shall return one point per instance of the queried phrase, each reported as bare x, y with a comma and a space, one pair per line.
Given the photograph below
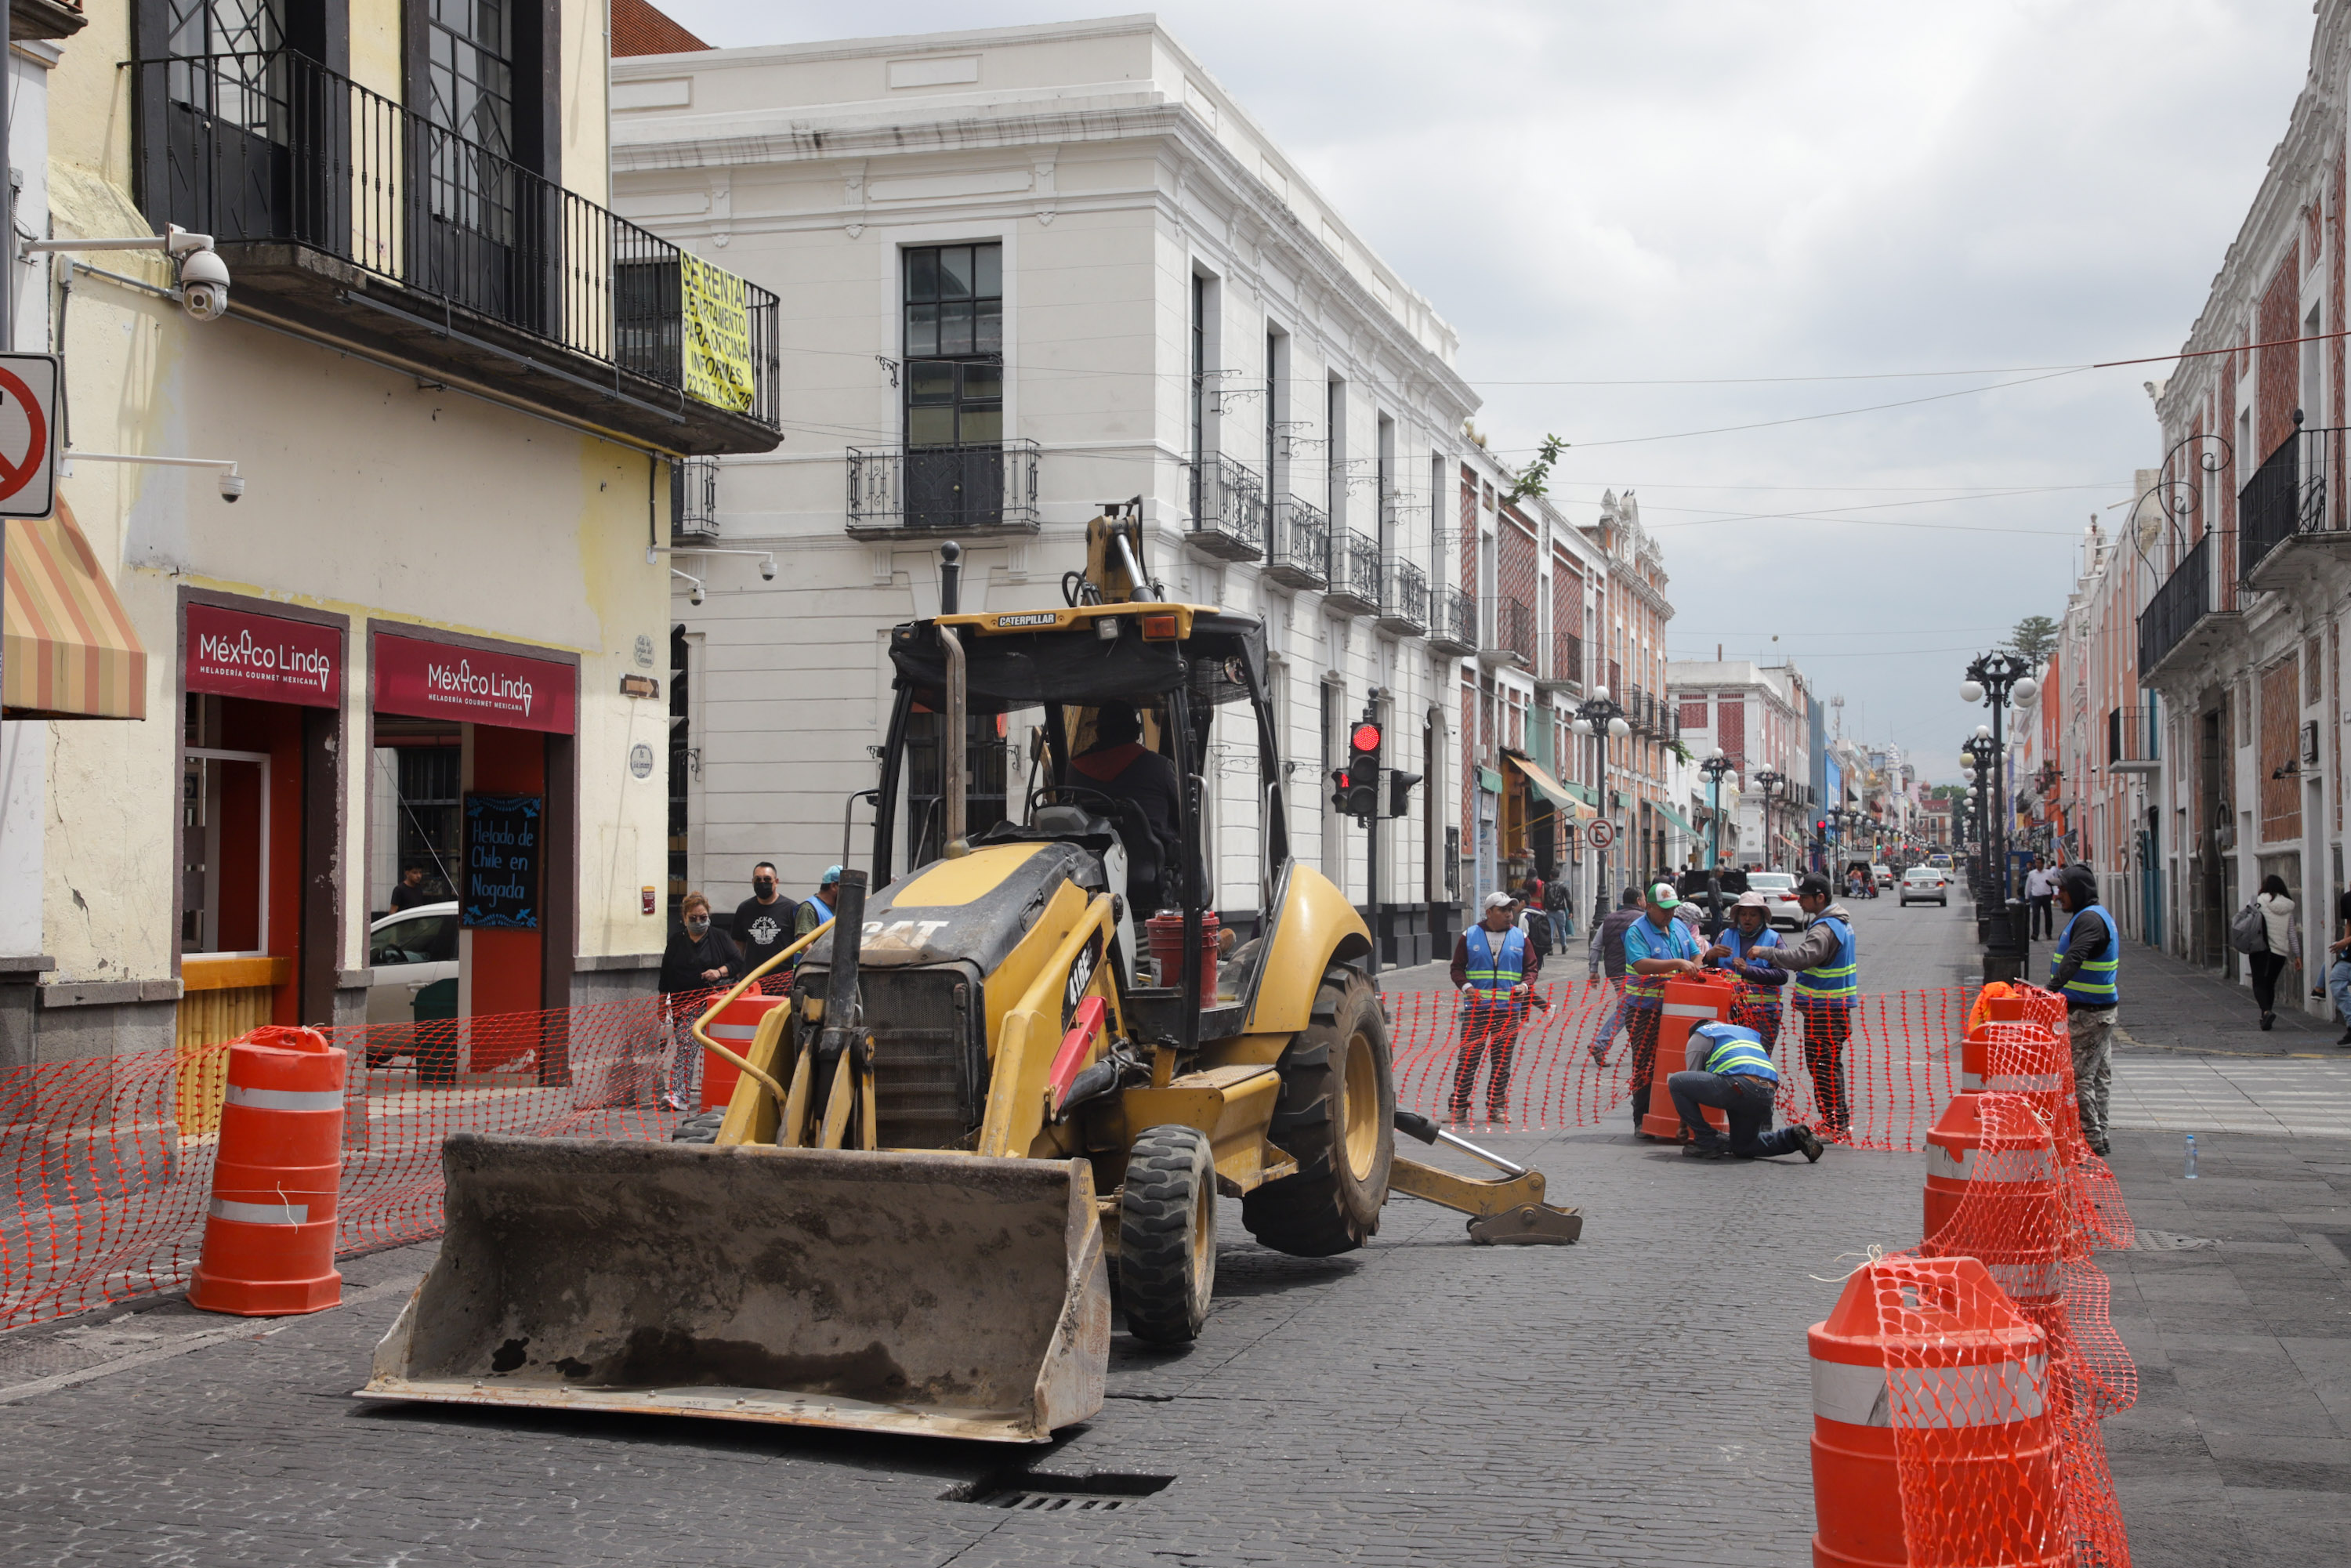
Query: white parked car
409, 950
1921, 883
1778, 891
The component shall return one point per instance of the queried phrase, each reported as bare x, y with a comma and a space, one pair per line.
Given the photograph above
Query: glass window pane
922, 330
988, 336
981, 427
988, 271
930, 426
955, 272
930, 382
983, 383
955, 327
921, 274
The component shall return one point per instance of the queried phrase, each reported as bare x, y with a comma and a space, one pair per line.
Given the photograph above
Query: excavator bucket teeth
943, 1294
1528, 1225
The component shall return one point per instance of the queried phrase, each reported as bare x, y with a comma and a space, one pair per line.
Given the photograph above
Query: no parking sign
28, 434
1603, 833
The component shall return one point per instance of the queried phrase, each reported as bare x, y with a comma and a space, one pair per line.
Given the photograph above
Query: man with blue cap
816, 911
1730, 1071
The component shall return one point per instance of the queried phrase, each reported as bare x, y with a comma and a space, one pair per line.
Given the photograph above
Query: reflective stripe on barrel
1977, 1163
1931, 1396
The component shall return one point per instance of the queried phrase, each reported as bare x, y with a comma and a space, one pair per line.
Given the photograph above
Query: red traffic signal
1366, 738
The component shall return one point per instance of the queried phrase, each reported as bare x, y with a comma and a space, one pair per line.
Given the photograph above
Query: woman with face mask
699, 957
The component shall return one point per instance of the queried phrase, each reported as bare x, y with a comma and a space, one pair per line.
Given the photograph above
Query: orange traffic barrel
1689, 1001
1991, 1192
269, 1234
1929, 1347
737, 1022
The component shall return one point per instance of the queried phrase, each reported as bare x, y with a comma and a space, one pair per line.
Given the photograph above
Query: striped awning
69, 651
1551, 788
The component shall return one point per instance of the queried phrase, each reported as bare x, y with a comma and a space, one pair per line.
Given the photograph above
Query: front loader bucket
935, 1293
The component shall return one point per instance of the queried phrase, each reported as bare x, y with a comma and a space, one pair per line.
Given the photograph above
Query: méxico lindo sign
436, 680
237, 653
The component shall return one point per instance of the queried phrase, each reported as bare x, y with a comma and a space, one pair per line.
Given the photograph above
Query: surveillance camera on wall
204, 286
695, 598
767, 568
232, 487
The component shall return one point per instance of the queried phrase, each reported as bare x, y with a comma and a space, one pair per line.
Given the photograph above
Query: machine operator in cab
1120, 766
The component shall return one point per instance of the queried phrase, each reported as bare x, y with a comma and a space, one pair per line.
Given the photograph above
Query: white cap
1499, 901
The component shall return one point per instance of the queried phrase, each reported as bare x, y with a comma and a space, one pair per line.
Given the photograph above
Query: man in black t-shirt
2338, 967
409, 893
762, 927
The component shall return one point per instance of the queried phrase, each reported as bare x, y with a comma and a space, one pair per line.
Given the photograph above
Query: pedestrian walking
1731, 1069
1556, 904
816, 911
1494, 968
1756, 1004
409, 892
2338, 967
2283, 930
1655, 945
763, 927
698, 957
2040, 896
2084, 968
1536, 925
1826, 965
1607, 954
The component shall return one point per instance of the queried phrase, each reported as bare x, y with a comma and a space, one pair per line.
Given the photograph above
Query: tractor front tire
1336, 1118
1167, 1235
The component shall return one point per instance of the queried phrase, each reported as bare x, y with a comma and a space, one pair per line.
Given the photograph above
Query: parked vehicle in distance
1778, 891
410, 952
1881, 874
1923, 882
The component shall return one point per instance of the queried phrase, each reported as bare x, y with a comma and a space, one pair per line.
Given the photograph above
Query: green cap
1662, 894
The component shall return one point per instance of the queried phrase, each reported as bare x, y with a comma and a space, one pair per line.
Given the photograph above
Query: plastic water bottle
2191, 1157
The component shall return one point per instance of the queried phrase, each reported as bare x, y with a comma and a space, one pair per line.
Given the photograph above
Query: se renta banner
237, 653
718, 334
503, 845
473, 685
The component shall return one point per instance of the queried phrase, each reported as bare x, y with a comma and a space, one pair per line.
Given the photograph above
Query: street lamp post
1975, 756
1714, 766
2000, 681
1774, 788
1599, 715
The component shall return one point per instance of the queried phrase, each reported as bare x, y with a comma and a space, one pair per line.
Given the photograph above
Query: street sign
1603, 833
28, 434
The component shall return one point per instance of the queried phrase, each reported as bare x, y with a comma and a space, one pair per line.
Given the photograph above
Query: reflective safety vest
1740, 945
1492, 975
2093, 985
1738, 1049
1837, 983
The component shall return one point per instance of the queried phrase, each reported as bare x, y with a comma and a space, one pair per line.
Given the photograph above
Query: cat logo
1036, 618
1081, 975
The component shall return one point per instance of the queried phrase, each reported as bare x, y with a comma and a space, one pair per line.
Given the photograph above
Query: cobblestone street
1642, 1397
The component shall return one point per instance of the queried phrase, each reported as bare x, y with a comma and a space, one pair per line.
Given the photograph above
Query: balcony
2182, 623
1565, 671
1354, 575
694, 500
2283, 516
1228, 510
1299, 552
1404, 598
929, 492
1506, 632
2131, 741
346, 218
1452, 621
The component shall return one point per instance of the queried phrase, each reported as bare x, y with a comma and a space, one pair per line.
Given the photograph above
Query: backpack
2248, 932
1538, 932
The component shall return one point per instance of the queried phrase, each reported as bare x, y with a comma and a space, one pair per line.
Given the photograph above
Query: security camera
695, 598
203, 285
232, 487
767, 568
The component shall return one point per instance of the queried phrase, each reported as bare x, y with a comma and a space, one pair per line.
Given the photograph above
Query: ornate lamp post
1599, 715
2001, 681
1774, 788
1714, 766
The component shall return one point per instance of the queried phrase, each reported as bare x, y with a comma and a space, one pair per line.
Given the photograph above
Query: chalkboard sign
503, 852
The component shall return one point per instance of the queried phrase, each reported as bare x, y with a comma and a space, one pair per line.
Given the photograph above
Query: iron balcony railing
1227, 515
274, 147
1355, 574
1299, 551
1508, 632
2133, 739
1452, 620
2177, 606
938, 487
1566, 665
2286, 495
1637, 707
1403, 597
694, 497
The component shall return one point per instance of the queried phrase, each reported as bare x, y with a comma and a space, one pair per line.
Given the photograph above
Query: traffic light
1340, 787
1400, 793
1361, 793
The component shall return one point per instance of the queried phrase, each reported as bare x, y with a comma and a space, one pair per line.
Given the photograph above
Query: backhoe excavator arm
1509, 1210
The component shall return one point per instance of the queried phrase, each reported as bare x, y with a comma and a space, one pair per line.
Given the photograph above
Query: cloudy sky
1653, 222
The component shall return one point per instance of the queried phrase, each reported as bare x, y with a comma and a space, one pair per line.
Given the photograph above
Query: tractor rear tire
1337, 1118
1167, 1235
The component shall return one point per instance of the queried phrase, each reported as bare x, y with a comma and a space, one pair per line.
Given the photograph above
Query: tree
2034, 639
1536, 474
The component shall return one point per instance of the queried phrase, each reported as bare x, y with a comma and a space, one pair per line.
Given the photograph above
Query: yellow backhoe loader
987, 1096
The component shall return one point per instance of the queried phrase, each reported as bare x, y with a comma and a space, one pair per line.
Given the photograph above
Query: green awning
1551, 788
1676, 818
1589, 797
1489, 781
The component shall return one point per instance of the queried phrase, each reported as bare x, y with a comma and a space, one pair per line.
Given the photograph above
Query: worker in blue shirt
1655, 945
1757, 1005
1729, 1070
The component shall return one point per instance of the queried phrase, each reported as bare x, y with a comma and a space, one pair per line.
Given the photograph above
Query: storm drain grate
1099, 1492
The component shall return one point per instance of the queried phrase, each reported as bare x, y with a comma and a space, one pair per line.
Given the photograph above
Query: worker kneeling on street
1730, 1071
